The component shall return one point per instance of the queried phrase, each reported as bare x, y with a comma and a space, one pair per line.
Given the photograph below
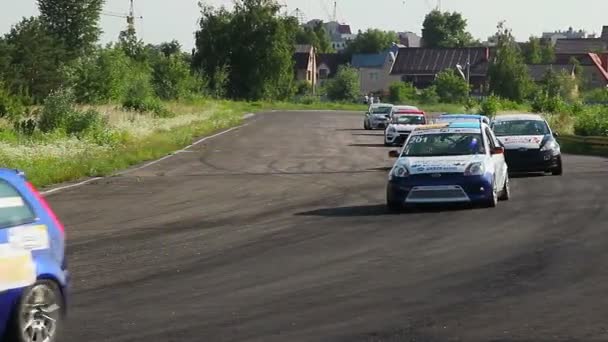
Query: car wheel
366, 125
505, 194
38, 315
492, 202
558, 171
394, 207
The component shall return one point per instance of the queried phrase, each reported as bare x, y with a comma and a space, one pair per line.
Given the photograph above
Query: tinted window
381, 110
410, 120
14, 210
444, 144
520, 127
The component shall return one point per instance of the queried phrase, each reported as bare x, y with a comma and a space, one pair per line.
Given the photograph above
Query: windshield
520, 127
409, 120
381, 110
444, 144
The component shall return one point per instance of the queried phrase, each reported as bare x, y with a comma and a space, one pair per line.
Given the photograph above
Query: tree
170, 48
130, 44
547, 53
445, 30
345, 85
533, 51
451, 87
74, 23
560, 84
316, 36
400, 92
371, 41
508, 72
253, 43
32, 61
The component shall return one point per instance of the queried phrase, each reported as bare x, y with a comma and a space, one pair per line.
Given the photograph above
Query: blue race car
33, 271
459, 162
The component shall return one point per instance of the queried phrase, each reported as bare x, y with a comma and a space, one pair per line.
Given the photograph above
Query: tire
505, 194
366, 125
493, 201
558, 171
41, 307
394, 207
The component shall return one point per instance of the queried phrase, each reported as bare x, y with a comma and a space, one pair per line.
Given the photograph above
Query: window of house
373, 76
309, 75
323, 74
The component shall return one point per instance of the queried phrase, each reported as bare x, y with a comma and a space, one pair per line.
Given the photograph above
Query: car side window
14, 209
490, 139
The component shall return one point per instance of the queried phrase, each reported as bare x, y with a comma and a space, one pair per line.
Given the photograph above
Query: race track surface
277, 231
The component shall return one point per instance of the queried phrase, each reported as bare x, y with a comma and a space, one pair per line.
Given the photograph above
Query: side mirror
555, 134
498, 150
393, 154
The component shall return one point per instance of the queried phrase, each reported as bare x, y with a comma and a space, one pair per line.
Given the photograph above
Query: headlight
391, 129
399, 171
475, 169
550, 146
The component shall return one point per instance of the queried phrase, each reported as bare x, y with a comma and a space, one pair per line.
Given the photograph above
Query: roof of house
303, 48
580, 45
368, 60
344, 29
332, 61
428, 61
538, 71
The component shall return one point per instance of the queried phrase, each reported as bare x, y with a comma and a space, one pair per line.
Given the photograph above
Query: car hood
521, 141
452, 164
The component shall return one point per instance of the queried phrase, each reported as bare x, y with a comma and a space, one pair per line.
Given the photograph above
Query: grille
436, 194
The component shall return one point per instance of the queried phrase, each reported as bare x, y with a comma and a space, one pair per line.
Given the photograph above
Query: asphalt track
277, 231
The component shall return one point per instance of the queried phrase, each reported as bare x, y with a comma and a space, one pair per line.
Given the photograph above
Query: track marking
61, 188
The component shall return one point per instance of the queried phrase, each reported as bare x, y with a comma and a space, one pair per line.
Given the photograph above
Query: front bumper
378, 123
447, 188
531, 160
396, 138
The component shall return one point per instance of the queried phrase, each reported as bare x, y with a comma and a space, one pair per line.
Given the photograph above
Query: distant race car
459, 162
377, 116
530, 145
404, 119
33, 271
449, 118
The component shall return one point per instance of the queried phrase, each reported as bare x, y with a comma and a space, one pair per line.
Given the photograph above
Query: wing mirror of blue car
393, 154
498, 150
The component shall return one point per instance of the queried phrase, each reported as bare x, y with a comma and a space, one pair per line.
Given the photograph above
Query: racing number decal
418, 140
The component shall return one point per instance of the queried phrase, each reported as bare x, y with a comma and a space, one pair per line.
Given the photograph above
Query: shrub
303, 88
140, 97
490, 106
401, 92
58, 106
471, 105
25, 127
344, 86
547, 104
593, 122
172, 78
429, 95
11, 107
597, 96
451, 88
79, 122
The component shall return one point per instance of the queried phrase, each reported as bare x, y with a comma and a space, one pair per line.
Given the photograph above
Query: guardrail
584, 145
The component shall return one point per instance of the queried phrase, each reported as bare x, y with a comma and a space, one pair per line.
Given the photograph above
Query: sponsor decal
11, 202
17, 268
29, 238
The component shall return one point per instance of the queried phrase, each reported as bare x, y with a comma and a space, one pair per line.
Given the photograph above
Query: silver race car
377, 116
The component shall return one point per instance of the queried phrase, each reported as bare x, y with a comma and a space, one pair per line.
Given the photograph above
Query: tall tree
130, 44
75, 23
445, 30
508, 73
253, 43
32, 59
371, 41
533, 51
316, 36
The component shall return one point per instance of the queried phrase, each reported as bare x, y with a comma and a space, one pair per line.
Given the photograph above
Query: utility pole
335, 13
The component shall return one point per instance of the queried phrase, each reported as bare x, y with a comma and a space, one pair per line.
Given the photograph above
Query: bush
546, 104
58, 106
592, 122
470, 105
401, 92
597, 96
140, 97
344, 86
79, 122
11, 107
25, 127
303, 88
429, 95
451, 88
172, 78
490, 106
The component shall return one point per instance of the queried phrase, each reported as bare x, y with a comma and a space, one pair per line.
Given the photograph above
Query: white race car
460, 162
377, 116
404, 119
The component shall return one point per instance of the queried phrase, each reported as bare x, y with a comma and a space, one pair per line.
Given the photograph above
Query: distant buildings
569, 34
339, 34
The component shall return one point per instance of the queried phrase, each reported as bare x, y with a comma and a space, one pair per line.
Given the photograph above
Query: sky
165, 20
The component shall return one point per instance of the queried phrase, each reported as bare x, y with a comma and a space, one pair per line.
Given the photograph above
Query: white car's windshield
444, 144
381, 110
520, 127
409, 120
